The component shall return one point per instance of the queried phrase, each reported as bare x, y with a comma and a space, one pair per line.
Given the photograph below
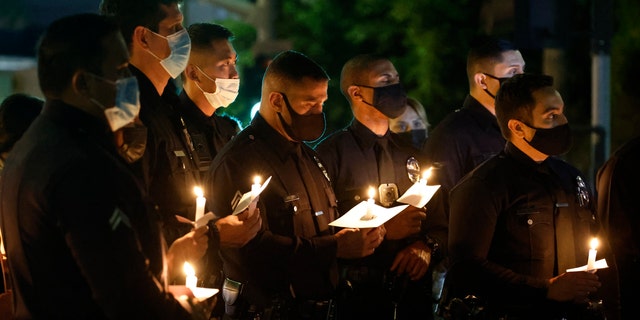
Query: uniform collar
484, 117
191, 110
512, 151
366, 138
282, 147
78, 120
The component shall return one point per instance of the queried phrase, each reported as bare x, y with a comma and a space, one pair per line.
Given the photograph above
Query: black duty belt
363, 275
236, 306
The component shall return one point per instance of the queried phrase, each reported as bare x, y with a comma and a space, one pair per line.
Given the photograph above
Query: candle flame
427, 174
594, 243
257, 179
198, 191
371, 192
188, 269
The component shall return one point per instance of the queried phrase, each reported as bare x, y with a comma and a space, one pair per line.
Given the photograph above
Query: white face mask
127, 104
180, 45
226, 91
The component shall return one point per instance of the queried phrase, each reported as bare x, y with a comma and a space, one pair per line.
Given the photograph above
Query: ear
479, 79
354, 93
276, 101
139, 37
192, 73
516, 128
79, 83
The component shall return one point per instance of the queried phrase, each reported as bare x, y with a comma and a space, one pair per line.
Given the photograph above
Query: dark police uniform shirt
463, 140
208, 134
81, 240
296, 251
352, 166
167, 165
350, 159
514, 224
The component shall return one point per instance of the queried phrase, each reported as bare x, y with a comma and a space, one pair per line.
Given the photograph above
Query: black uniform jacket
352, 166
81, 241
463, 140
296, 251
167, 166
208, 134
514, 224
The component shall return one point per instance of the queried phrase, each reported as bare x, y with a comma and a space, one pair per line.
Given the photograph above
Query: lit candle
425, 176
255, 190
591, 261
255, 187
369, 214
200, 201
192, 280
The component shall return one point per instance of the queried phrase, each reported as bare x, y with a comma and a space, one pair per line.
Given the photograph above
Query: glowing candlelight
255, 187
369, 215
200, 201
591, 261
192, 280
255, 190
425, 176
372, 193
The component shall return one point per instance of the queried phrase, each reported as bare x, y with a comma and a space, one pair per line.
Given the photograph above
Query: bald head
356, 71
289, 68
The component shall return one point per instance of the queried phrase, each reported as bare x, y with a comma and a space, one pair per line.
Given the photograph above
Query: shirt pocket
536, 227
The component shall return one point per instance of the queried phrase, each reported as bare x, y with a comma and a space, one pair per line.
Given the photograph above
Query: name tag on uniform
179, 153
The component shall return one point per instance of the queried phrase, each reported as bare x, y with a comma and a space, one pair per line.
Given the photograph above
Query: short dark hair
292, 66
485, 52
202, 34
133, 13
515, 100
71, 43
17, 111
355, 70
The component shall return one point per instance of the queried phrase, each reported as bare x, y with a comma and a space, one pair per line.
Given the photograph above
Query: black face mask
135, 142
501, 80
552, 142
415, 137
390, 100
303, 127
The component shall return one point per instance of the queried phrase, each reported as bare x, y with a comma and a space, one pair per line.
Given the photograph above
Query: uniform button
357, 197
252, 137
530, 221
295, 208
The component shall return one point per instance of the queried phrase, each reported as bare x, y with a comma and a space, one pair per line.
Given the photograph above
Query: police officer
288, 271
160, 48
159, 52
81, 239
367, 154
521, 219
210, 81
470, 135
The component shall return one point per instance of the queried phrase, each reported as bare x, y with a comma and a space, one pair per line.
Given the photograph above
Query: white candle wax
591, 261
192, 280
255, 190
255, 187
370, 202
200, 202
